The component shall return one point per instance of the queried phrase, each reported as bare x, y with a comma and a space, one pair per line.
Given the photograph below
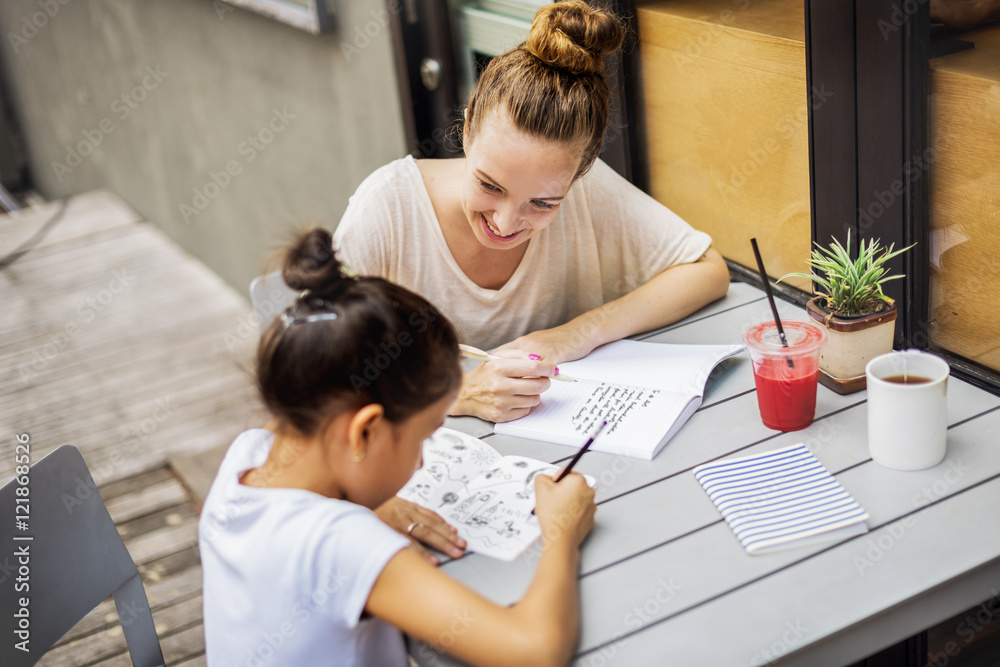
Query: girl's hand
555, 345
565, 510
433, 531
502, 390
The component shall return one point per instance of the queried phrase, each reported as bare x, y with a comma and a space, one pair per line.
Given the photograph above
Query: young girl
301, 566
529, 242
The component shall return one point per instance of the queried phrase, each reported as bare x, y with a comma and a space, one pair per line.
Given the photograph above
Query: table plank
739, 294
474, 426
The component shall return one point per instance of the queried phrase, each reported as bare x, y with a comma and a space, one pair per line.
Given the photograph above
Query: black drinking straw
770, 298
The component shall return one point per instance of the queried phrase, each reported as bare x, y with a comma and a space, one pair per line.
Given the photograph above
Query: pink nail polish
534, 357
557, 371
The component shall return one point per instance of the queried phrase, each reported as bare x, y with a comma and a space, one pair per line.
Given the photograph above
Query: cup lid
802, 337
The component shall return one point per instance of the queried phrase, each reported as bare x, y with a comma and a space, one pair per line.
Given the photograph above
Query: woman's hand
565, 510
556, 345
502, 390
432, 530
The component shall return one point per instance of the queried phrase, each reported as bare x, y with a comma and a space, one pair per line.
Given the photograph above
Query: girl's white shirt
287, 572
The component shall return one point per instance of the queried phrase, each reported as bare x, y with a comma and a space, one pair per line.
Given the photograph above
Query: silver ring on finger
409, 529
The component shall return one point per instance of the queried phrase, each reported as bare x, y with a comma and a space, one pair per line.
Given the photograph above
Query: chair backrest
63, 561
270, 296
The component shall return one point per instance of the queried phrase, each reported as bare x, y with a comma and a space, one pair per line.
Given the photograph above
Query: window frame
866, 141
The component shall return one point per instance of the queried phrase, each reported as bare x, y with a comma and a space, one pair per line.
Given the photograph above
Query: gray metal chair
71, 558
270, 296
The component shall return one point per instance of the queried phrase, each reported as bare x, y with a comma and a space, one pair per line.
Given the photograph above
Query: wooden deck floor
115, 340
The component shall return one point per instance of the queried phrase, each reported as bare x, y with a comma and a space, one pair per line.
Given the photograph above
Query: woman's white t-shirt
607, 239
287, 572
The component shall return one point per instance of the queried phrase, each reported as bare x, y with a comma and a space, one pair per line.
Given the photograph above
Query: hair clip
307, 295
288, 320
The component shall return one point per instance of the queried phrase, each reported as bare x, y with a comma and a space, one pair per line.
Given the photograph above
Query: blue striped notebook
781, 499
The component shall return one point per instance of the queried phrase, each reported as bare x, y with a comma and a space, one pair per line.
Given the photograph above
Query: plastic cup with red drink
785, 376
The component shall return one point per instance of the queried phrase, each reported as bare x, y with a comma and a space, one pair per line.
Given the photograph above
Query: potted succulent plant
860, 320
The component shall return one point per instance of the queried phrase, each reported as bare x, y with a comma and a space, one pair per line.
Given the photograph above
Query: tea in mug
907, 379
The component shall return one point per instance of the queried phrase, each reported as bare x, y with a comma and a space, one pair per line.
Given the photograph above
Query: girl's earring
358, 458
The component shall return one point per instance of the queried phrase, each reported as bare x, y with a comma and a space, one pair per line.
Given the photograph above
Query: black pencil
583, 450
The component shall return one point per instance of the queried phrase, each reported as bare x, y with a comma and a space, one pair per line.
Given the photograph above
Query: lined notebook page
680, 368
569, 412
646, 391
781, 499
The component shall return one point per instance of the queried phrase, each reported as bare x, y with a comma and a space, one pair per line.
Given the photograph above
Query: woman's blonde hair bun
574, 36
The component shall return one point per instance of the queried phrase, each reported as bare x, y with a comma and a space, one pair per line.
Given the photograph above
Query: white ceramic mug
907, 423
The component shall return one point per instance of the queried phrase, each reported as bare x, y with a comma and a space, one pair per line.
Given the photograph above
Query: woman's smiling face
514, 183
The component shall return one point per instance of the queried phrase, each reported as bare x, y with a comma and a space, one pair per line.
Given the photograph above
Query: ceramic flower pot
851, 342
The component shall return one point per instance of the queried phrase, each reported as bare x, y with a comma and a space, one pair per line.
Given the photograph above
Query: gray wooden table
664, 581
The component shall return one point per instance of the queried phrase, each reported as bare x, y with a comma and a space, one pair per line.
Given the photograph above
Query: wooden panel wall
727, 123
964, 166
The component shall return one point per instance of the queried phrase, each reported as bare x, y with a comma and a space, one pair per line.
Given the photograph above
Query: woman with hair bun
530, 243
306, 554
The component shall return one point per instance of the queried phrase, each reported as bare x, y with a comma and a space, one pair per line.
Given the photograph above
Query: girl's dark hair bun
574, 36
311, 264
351, 341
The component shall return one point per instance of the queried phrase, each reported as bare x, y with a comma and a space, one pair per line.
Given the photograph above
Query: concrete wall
170, 92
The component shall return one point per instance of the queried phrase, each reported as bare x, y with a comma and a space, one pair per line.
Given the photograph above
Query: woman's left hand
431, 529
553, 345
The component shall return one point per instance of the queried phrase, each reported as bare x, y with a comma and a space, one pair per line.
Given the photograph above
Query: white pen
476, 353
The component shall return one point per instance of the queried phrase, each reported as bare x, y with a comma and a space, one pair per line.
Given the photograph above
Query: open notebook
646, 391
781, 499
487, 497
